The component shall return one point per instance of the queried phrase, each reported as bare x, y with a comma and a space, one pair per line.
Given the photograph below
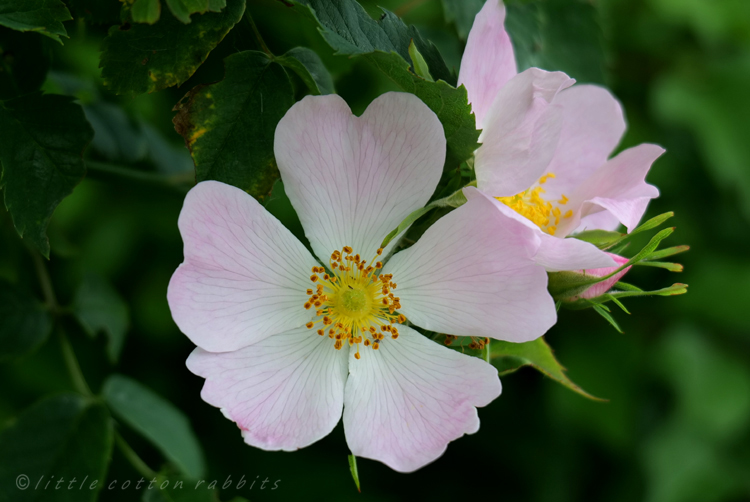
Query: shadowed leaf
44, 16
61, 437
41, 149
142, 58
229, 126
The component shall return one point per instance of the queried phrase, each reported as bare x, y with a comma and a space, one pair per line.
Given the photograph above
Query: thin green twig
74, 369
249, 19
136, 461
107, 172
44, 281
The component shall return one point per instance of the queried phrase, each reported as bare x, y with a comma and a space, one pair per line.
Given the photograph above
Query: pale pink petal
354, 179
472, 273
284, 392
488, 61
244, 276
592, 126
556, 254
406, 401
521, 132
603, 220
618, 186
553, 253
600, 288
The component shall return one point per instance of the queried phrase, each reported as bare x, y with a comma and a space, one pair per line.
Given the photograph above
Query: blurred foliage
676, 426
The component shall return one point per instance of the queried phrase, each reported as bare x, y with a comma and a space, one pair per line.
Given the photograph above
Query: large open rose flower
545, 148
285, 342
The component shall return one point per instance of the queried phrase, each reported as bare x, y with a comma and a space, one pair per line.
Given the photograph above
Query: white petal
473, 273
593, 124
521, 132
244, 276
602, 220
488, 61
406, 401
284, 392
354, 179
618, 186
555, 253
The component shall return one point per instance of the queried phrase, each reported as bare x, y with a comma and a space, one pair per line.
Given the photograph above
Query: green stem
249, 19
136, 461
74, 369
44, 281
108, 172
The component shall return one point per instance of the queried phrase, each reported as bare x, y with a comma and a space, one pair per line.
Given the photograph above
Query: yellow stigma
352, 304
531, 205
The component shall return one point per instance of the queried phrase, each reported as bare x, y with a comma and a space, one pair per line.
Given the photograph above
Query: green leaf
420, 65
462, 13
629, 291
182, 9
664, 253
146, 11
451, 105
24, 322
672, 267
350, 31
456, 199
98, 307
24, 61
562, 35
603, 239
180, 489
142, 58
354, 471
158, 421
41, 151
62, 437
229, 126
309, 67
604, 312
508, 357
44, 16
566, 284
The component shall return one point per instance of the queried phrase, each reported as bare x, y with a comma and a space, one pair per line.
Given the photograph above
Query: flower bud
600, 288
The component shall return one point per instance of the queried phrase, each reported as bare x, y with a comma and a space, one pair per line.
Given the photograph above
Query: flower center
530, 204
353, 303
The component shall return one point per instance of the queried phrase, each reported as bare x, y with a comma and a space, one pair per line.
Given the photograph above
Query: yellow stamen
531, 205
358, 304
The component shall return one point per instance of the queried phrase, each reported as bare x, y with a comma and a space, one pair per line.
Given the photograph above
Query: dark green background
677, 424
